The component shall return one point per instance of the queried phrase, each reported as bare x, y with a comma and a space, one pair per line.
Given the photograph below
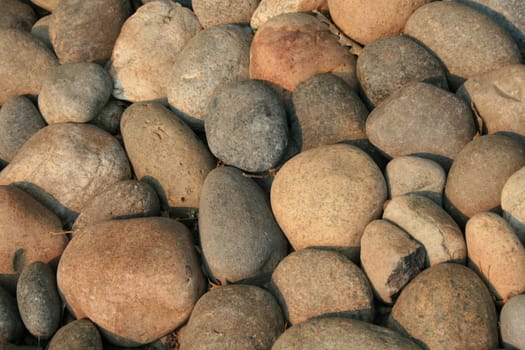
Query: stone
437, 307
80, 335
292, 47
313, 282
239, 236
387, 64
146, 50
138, 283
390, 258
415, 175
29, 232
467, 41
246, 126
86, 31
215, 56
19, 120
65, 164
327, 111
325, 196
74, 92
20, 53
234, 317
429, 224
38, 300
423, 120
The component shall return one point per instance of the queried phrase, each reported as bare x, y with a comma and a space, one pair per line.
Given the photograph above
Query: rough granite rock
366, 20
38, 300
429, 224
325, 196
388, 64
239, 236
416, 175
335, 333
166, 153
327, 111
79, 335
424, 120
292, 47
496, 254
215, 56
272, 8
17, 15
246, 126
485, 163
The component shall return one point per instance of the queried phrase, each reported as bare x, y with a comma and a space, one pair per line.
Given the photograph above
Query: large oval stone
324, 197
239, 236
137, 279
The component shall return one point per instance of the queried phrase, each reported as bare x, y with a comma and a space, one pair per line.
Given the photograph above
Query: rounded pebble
312, 282
447, 307
74, 92
246, 126
239, 236
235, 317
511, 323
324, 197
388, 64
327, 111
80, 335
38, 300
11, 326
19, 119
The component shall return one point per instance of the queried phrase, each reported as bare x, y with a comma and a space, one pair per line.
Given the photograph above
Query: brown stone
292, 47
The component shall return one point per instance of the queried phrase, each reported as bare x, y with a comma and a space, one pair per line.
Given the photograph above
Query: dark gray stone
246, 126
78, 335
11, 327
38, 300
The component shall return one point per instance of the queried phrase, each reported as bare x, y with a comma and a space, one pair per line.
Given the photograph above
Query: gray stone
239, 236
388, 64
11, 326
19, 119
246, 126
512, 324
215, 56
74, 92
38, 300
79, 335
